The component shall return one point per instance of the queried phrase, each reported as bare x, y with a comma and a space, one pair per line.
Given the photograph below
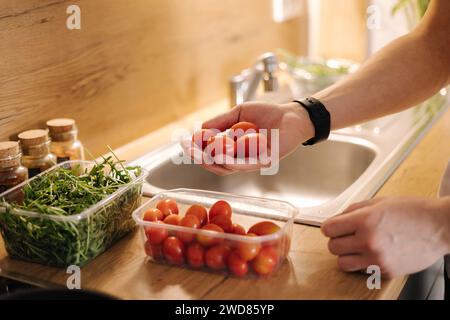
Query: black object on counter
56, 294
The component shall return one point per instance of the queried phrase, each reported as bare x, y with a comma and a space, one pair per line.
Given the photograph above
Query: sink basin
306, 178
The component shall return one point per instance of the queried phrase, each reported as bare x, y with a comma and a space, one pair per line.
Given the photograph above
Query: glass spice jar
36, 156
64, 140
12, 172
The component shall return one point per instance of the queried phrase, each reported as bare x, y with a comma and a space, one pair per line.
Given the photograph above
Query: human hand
401, 235
290, 119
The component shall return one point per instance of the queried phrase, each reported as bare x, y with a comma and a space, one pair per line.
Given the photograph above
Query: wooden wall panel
133, 66
343, 31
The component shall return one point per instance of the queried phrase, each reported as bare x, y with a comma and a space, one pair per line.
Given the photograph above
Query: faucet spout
244, 86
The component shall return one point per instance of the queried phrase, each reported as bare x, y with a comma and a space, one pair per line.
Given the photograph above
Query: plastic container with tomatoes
218, 232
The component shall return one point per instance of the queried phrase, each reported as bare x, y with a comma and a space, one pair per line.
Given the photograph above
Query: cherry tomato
251, 145
173, 250
265, 262
167, 207
242, 128
173, 219
196, 255
216, 257
221, 145
209, 240
238, 229
200, 138
189, 222
156, 234
237, 266
153, 215
263, 228
221, 207
198, 211
248, 250
224, 222
155, 252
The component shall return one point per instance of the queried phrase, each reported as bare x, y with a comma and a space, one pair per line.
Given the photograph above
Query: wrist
303, 121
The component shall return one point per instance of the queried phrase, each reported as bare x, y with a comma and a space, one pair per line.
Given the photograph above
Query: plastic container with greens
70, 213
311, 75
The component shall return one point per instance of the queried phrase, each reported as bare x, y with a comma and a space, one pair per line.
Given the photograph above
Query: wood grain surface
343, 32
134, 65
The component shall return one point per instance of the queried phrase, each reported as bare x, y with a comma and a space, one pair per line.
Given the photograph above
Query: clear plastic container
314, 74
246, 211
68, 240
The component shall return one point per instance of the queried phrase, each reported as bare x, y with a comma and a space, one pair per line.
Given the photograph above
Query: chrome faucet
243, 86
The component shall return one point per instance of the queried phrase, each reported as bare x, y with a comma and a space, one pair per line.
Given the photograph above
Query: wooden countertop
310, 273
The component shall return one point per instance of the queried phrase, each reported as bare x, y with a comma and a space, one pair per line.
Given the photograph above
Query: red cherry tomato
221, 207
173, 250
221, 145
238, 229
216, 257
237, 266
266, 261
189, 222
156, 234
200, 138
196, 255
224, 222
251, 145
153, 215
167, 207
263, 228
198, 211
248, 250
242, 128
209, 240
155, 252
173, 219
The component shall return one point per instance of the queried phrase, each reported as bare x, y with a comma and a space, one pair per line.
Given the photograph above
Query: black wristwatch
320, 118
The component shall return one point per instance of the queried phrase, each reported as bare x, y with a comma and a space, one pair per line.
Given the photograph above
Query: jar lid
9, 154
9, 149
60, 125
33, 137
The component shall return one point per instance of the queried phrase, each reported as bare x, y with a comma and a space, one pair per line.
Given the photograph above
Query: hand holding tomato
290, 119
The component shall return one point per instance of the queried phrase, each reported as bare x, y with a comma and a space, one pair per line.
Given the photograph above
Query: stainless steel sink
320, 180
306, 178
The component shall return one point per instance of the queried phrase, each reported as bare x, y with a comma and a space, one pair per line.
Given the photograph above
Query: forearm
402, 74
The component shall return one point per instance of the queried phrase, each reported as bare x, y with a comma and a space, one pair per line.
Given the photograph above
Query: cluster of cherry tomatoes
243, 140
199, 249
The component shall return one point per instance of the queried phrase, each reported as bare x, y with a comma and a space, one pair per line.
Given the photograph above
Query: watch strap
320, 118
